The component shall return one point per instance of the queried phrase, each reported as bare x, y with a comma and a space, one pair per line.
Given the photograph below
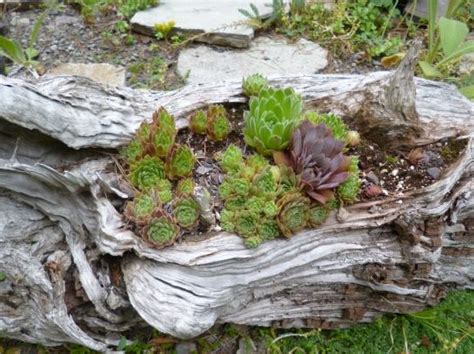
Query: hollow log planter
74, 273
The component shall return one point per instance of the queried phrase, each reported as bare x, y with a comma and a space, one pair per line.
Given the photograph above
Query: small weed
149, 73
393, 160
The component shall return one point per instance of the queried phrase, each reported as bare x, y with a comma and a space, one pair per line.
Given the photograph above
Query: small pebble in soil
434, 172
395, 172
372, 177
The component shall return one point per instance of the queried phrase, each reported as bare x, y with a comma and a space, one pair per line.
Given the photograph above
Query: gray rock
106, 74
434, 172
221, 20
186, 348
266, 56
420, 8
372, 177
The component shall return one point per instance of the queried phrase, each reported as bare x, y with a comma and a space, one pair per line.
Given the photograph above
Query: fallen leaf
392, 60
415, 155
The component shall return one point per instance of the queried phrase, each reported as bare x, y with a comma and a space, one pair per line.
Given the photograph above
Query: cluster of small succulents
261, 201
155, 161
214, 123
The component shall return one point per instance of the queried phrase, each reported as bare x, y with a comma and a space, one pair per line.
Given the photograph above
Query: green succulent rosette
253, 84
293, 213
271, 119
198, 122
162, 230
147, 172
186, 212
180, 162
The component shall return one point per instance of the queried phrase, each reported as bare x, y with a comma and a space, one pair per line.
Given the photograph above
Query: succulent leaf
268, 229
271, 119
255, 204
141, 208
270, 208
133, 151
264, 184
218, 125
317, 158
257, 163
185, 187
186, 212
335, 123
162, 230
163, 190
293, 213
146, 173
252, 84
349, 190
253, 241
198, 122
235, 203
227, 220
231, 160
245, 223
317, 214
163, 120
180, 161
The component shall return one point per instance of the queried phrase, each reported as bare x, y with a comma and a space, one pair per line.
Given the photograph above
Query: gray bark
59, 227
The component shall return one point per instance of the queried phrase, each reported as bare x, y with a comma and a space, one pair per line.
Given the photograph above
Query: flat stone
106, 74
434, 172
266, 56
220, 20
419, 8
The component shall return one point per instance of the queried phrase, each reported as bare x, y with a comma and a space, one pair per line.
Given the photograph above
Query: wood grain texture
63, 242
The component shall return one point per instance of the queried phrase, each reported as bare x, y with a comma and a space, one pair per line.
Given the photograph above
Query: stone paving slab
267, 56
217, 18
105, 74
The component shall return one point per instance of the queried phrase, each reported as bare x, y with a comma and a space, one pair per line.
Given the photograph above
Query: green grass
446, 328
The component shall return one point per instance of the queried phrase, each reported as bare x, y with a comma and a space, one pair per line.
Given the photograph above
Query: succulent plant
255, 204
186, 212
180, 161
245, 223
317, 214
143, 132
289, 182
270, 208
185, 187
257, 163
336, 124
235, 203
264, 184
293, 211
163, 133
227, 220
198, 122
252, 84
317, 158
353, 138
271, 119
132, 151
268, 229
141, 208
218, 125
146, 173
253, 241
163, 190
163, 120
226, 189
231, 160
241, 186
162, 230
349, 190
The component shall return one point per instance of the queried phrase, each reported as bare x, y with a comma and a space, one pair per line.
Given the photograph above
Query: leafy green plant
147, 172
163, 29
333, 122
180, 161
218, 125
349, 189
252, 84
450, 35
162, 230
163, 189
317, 214
186, 212
26, 57
198, 122
271, 119
255, 20
293, 211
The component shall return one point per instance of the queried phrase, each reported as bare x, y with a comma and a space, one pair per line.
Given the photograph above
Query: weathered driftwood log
64, 246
